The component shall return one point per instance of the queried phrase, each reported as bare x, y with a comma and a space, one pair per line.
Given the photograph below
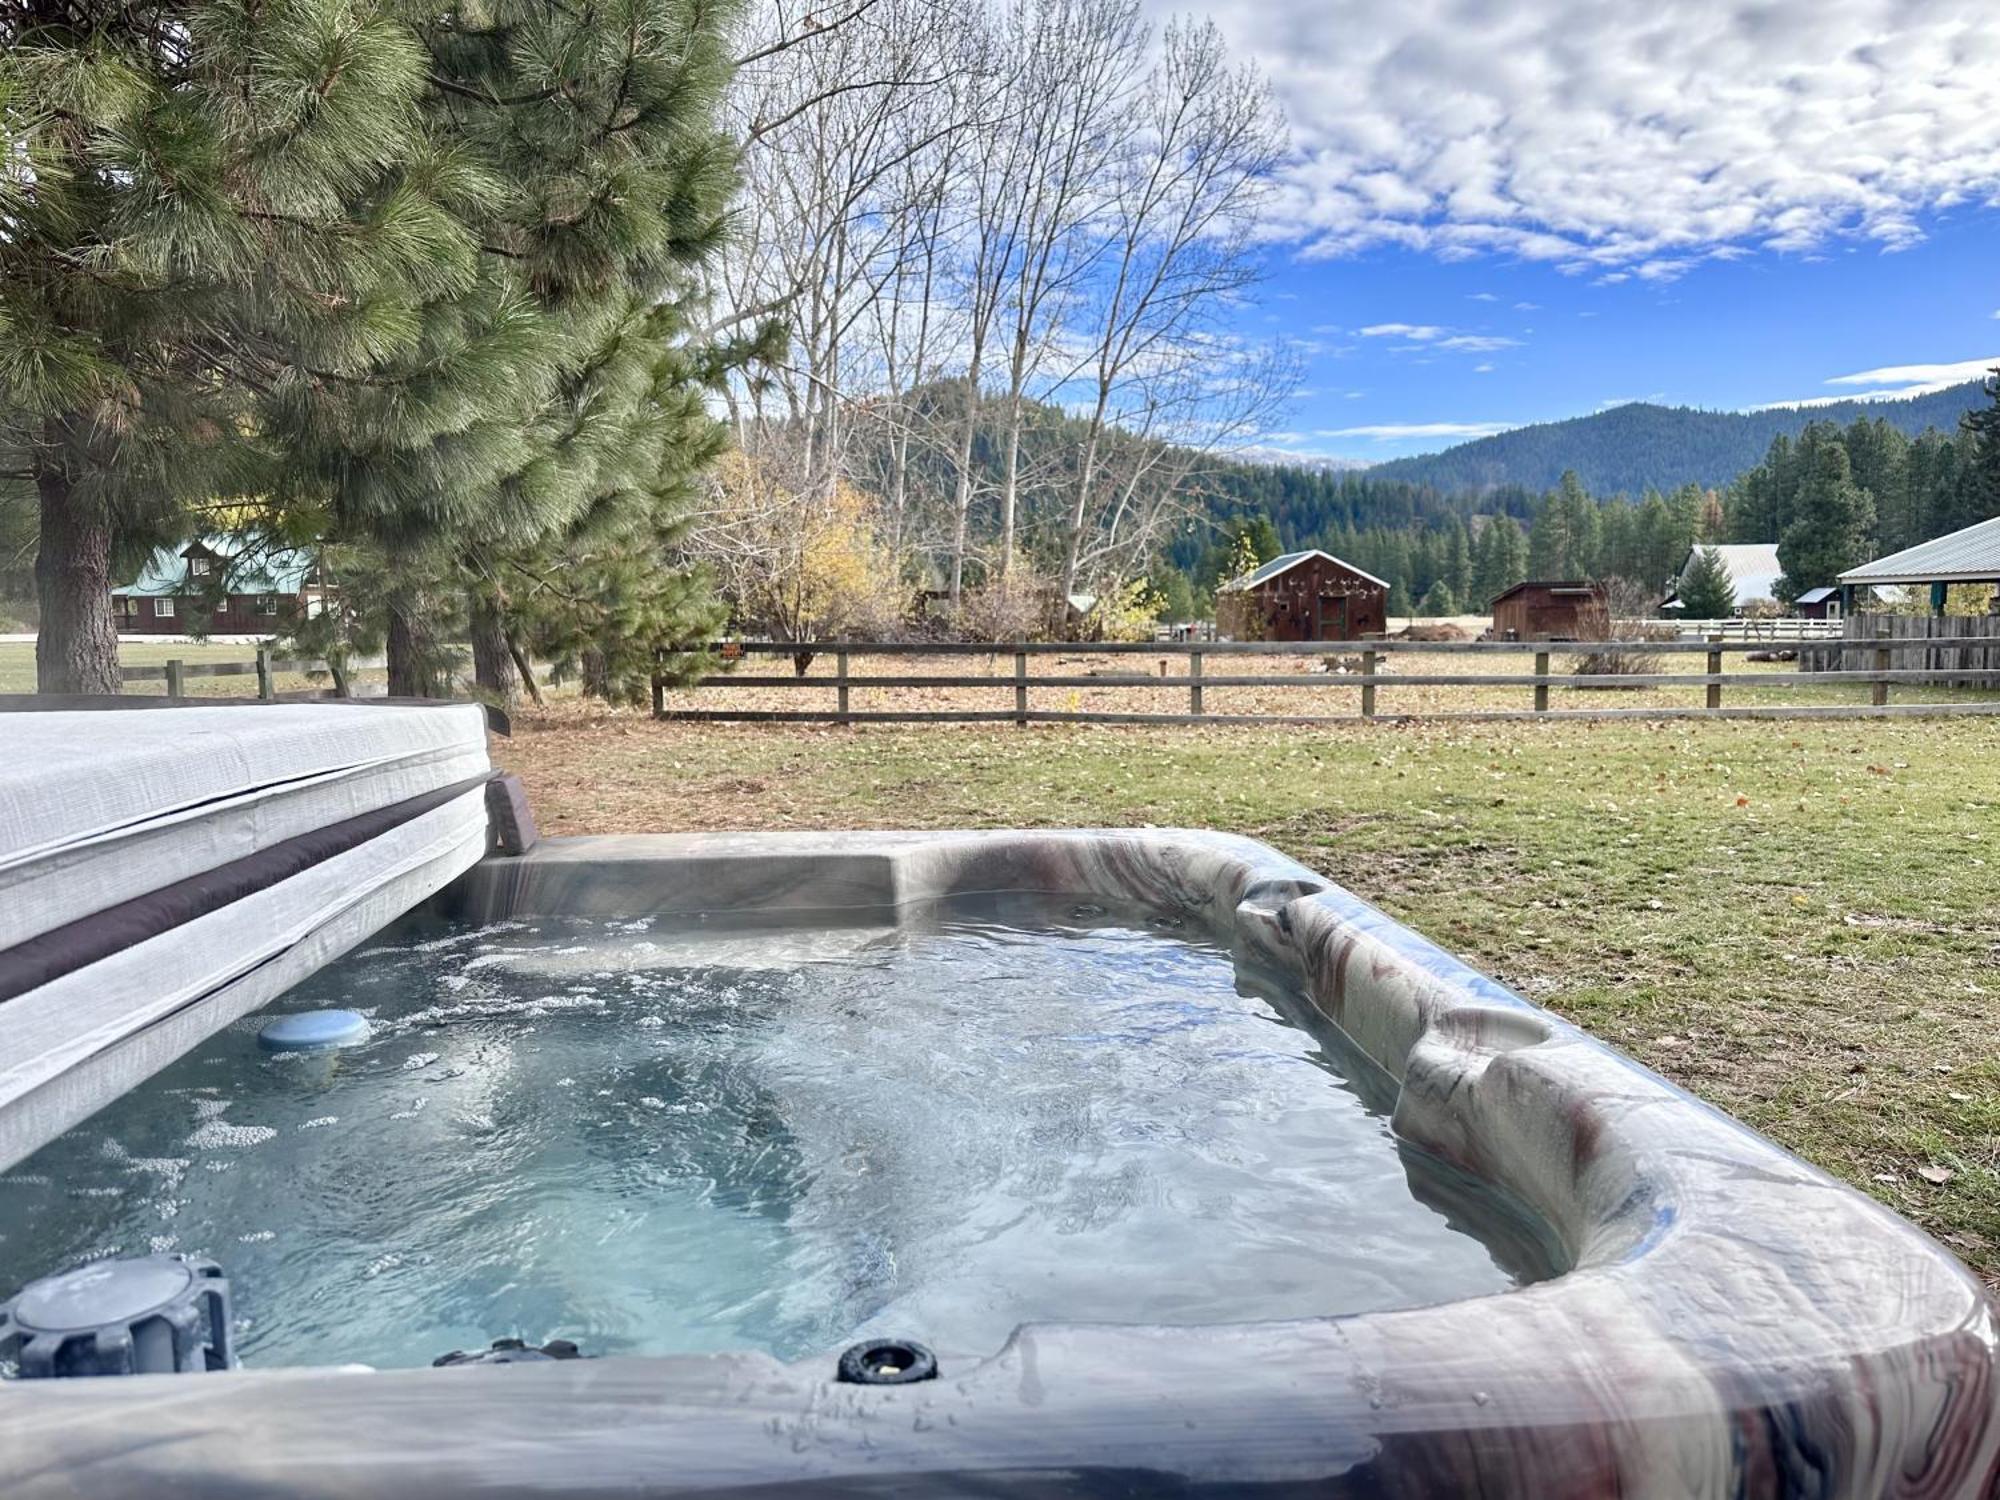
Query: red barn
1570, 610
1304, 596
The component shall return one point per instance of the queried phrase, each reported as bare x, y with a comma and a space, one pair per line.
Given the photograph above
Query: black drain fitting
886, 1362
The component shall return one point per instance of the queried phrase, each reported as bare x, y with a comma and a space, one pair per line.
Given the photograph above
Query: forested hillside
1630, 448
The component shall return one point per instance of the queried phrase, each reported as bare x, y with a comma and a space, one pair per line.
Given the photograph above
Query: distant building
1753, 568
1303, 596
1971, 555
223, 585
1818, 604
1551, 611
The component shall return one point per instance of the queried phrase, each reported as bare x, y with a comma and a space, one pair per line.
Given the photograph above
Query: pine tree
555, 400
1456, 560
187, 182
1438, 600
1835, 518
1658, 543
1503, 559
1706, 589
1978, 484
1563, 542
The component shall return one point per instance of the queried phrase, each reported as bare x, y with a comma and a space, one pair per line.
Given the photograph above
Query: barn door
1333, 617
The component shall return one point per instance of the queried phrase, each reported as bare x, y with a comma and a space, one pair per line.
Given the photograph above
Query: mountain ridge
1638, 445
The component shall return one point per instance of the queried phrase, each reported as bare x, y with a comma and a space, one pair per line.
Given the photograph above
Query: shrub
1624, 654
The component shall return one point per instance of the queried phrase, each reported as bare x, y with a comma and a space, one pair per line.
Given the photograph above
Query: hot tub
1609, 1287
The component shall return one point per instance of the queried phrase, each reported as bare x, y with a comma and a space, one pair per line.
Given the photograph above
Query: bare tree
1083, 60
1008, 239
1205, 141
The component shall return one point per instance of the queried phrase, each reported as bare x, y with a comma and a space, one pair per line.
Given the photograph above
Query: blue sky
1508, 211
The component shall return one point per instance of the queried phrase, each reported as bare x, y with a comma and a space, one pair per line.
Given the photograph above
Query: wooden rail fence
175, 673
1879, 675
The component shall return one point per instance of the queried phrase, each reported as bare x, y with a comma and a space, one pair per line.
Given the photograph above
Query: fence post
659, 696
1368, 684
1541, 688
176, 678
1878, 692
840, 686
266, 689
1021, 688
1194, 682
1714, 699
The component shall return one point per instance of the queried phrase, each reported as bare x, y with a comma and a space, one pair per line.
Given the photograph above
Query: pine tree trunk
524, 667
596, 675
409, 653
76, 649
492, 663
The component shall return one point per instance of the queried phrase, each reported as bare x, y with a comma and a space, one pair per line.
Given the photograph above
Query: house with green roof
220, 585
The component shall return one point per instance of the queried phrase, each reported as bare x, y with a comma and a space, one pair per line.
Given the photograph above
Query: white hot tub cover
96, 808
353, 815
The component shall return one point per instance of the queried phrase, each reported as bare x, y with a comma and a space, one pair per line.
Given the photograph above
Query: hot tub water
653, 1137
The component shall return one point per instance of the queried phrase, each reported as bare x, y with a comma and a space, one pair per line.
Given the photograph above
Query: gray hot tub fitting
1731, 1322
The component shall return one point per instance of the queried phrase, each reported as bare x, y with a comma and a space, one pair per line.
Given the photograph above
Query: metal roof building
1968, 556
249, 567
1753, 569
1285, 562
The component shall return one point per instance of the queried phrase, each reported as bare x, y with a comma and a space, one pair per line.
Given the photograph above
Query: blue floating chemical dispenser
314, 1031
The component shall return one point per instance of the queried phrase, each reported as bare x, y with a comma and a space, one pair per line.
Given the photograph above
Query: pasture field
1334, 692
1798, 921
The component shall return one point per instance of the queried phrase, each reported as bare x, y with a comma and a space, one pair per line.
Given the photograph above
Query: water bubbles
218, 1134
765, 1138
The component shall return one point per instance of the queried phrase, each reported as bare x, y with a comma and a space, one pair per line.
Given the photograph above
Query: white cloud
1596, 136
1915, 380
1425, 336
1489, 297
1537, 307
1893, 382
1486, 369
1387, 432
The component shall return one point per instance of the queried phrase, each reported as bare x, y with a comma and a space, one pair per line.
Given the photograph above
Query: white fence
1782, 628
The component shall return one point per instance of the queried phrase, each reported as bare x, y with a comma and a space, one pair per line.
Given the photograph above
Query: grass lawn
17, 668
1798, 921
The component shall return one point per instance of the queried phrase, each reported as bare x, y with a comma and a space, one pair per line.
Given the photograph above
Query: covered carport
1968, 556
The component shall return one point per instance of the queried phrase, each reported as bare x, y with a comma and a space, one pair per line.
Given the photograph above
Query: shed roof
1285, 562
1968, 556
1555, 586
1816, 596
249, 567
1753, 569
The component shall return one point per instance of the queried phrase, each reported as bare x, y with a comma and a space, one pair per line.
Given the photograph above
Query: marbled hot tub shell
1732, 1322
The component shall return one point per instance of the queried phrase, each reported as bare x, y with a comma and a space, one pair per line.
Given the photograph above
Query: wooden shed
1565, 610
1818, 604
1303, 596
